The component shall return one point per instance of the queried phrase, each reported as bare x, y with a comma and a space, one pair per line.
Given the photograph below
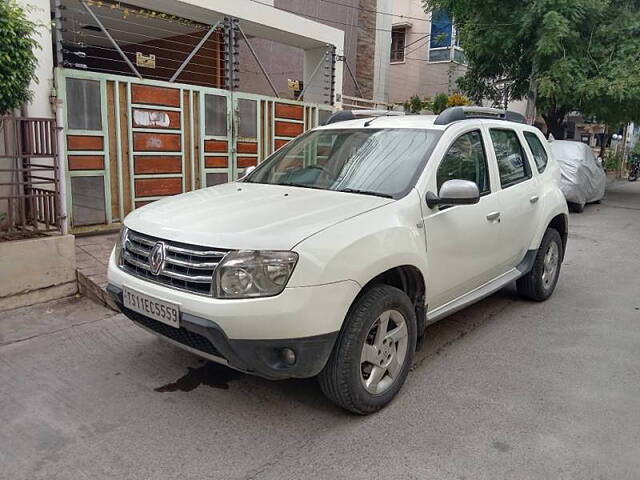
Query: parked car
336, 252
582, 177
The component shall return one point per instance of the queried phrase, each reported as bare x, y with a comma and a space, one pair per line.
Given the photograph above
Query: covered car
582, 178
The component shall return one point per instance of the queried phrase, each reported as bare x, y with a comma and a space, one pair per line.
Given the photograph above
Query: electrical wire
84, 45
128, 32
330, 21
129, 22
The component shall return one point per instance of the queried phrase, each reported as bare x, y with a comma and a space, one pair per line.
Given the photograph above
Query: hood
249, 216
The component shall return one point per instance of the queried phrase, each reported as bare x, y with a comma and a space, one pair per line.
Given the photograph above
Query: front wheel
373, 354
540, 282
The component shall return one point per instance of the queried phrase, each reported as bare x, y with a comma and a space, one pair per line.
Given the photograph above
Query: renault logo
156, 258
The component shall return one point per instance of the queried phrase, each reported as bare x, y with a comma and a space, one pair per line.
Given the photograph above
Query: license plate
160, 310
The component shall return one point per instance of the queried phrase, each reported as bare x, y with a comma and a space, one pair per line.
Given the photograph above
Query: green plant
415, 104
439, 103
18, 61
458, 100
612, 160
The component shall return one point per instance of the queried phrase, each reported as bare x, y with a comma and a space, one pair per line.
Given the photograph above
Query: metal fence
29, 176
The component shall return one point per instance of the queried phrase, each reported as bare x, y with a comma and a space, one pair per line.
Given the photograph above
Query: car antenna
368, 122
384, 113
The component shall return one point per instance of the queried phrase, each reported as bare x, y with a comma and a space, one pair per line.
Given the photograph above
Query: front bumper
258, 357
249, 334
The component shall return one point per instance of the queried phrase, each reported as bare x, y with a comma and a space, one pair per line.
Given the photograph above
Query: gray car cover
582, 179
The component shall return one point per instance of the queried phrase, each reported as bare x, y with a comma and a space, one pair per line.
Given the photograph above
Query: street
505, 389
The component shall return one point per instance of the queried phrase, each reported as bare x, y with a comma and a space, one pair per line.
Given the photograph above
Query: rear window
512, 162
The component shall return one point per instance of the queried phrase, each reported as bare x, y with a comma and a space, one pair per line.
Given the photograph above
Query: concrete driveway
506, 389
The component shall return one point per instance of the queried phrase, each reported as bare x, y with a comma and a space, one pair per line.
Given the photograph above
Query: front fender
363, 247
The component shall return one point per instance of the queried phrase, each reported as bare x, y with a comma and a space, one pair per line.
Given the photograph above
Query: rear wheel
540, 282
373, 354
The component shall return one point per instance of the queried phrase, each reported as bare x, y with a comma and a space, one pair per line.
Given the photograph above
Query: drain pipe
62, 173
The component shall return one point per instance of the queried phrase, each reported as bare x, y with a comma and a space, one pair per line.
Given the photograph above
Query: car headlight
250, 273
122, 237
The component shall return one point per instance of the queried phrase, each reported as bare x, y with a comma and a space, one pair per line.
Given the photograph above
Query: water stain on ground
210, 374
501, 446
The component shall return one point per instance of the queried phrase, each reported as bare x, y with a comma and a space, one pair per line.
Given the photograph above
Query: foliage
612, 160
439, 103
416, 105
458, 100
576, 55
17, 58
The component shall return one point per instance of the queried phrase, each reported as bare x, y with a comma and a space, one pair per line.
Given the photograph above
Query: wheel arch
560, 223
411, 281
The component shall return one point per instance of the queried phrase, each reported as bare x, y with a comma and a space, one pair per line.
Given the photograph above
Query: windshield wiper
288, 184
365, 192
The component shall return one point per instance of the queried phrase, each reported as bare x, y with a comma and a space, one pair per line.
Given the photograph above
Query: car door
518, 193
461, 240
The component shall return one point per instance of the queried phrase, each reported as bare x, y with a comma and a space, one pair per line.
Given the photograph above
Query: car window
512, 163
539, 153
465, 160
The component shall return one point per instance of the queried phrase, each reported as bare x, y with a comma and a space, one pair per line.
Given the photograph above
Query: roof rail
454, 114
344, 115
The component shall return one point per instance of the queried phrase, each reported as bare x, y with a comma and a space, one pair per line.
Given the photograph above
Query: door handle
534, 199
493, 216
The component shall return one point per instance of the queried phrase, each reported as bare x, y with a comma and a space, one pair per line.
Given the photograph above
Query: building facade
425, 57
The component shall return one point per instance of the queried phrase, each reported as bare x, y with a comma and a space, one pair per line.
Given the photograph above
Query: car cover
582, 178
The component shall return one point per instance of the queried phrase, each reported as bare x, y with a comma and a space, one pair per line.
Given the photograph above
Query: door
518, 195
246, 138
462, 241
217, 158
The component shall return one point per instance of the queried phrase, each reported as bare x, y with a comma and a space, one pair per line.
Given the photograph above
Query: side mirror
454, 192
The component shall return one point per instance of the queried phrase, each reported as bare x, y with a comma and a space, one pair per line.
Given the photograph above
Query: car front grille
186, 267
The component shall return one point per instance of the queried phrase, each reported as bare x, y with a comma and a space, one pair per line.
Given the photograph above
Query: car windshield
383, 162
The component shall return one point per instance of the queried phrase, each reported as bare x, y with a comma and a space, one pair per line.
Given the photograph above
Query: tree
569, 55
17, 58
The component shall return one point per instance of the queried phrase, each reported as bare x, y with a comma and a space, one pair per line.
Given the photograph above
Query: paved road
505, 389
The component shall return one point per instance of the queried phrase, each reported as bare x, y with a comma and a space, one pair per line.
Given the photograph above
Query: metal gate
129, 142
29, 177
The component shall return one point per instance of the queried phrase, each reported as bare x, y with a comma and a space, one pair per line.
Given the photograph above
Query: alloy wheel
550, 266
384, 352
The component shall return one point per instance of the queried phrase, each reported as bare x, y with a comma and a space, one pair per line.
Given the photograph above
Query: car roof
388, 121
408, 121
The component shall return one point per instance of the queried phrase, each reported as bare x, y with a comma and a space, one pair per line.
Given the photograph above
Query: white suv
336, 252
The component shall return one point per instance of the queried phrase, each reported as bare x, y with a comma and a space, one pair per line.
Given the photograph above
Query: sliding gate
129, 142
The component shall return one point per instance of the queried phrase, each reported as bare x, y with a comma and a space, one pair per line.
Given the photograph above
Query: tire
348, 377
539, 283
576, 207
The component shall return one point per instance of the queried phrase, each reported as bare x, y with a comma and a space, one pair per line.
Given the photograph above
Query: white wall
39, 13
383, 47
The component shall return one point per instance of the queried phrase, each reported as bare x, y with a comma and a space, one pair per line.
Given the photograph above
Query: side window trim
484, 152
525, 160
